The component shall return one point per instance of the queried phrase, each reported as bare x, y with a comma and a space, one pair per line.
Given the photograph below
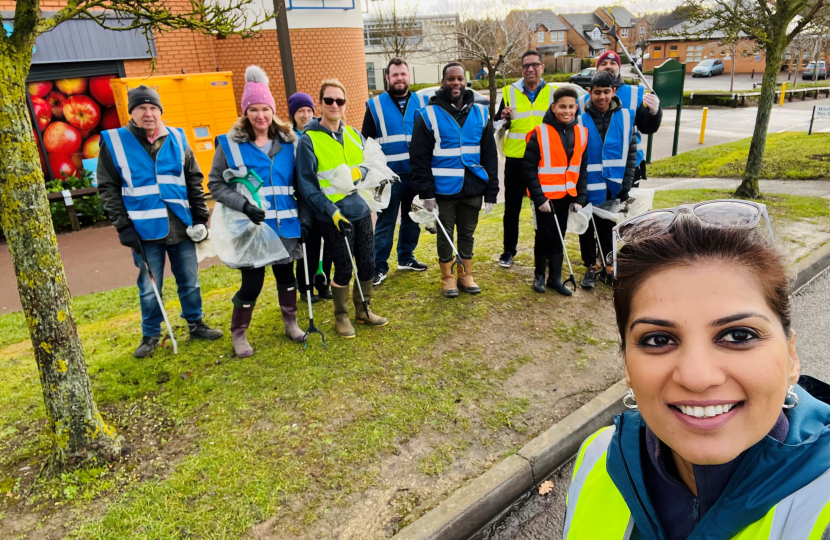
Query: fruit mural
71, 113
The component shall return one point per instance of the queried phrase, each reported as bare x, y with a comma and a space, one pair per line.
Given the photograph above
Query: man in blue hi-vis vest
151, 187
389, 119
455, 169
645, 107
608, 170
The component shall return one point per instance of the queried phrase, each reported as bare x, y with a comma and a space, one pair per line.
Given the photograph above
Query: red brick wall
746, 55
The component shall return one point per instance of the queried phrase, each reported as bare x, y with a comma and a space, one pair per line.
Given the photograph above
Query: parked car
811, 67
481, 99
583, 78
709, 67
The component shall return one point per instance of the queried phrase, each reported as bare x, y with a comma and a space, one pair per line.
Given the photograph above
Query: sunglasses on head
723, 213
331, 101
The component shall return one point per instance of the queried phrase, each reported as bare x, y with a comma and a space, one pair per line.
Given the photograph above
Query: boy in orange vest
553, 157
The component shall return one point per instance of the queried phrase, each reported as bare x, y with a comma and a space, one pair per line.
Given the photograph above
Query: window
541, 37
694, 53
642, 31
658, 51
596, 34
560, 36
370, 75
673, 51
723, 52
624, 32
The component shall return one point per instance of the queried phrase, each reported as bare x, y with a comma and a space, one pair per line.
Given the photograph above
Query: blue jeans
185, 269
402, 196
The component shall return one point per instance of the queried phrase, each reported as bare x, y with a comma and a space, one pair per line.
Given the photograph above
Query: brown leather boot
465, 278
288, 306
342, 324
360, 315
448, 285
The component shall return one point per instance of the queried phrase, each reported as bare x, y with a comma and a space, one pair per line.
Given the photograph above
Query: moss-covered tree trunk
774, 51
79, 432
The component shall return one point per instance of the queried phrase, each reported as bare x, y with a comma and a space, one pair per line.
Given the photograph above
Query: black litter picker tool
570, 279
158, 299
311, 328
458, 260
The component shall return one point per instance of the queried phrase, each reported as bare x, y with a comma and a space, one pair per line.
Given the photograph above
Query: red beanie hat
609, 55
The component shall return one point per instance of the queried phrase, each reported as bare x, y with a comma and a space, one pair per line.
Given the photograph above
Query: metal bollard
703, 124
753, 74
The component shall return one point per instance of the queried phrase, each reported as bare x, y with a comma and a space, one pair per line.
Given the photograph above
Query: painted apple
40, 89
61, 138
43, 112
62, 165
56, 101
101, 90
92, 147
78, 160
110, 120
72, 87
82, 112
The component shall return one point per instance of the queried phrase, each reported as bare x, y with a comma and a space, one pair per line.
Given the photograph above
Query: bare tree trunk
749, 186
732, 76
79, 432
491, 79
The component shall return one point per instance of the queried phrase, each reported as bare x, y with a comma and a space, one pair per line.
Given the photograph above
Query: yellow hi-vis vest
526, 116
596, 508
331, 153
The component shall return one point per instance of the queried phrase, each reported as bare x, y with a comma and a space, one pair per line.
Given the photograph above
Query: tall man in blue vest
644, 107
151, 187
608, 170
454, 169
389, 119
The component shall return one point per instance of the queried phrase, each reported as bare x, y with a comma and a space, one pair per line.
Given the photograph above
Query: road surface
540, 517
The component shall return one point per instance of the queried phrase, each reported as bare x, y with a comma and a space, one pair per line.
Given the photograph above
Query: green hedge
90, 209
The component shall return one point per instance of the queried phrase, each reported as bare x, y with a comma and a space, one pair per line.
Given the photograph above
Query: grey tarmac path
540, 517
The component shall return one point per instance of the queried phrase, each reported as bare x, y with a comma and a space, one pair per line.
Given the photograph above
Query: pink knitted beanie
256, 89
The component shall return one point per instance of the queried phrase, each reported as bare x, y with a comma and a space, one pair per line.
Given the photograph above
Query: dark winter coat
530, 165
109, 187
423, 143
646, 122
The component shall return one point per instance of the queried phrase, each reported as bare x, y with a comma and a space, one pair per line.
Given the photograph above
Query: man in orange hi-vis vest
553, 157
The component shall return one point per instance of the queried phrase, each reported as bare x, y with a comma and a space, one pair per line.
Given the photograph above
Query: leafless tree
393, 27
486, 34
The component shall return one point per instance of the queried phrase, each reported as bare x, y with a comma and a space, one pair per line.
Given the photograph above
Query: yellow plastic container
203, 104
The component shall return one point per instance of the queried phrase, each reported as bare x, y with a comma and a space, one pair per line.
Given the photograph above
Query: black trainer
506, 259
378, 279
147, 347
606, 277
539, 283
416, 266
590, 279
199, 330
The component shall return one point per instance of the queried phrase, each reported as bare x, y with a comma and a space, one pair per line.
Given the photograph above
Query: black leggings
253, 278
313, 253
362, 243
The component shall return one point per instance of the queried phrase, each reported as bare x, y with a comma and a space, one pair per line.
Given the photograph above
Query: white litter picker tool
458, 260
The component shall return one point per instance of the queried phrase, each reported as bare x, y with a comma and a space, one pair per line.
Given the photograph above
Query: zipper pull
696, 511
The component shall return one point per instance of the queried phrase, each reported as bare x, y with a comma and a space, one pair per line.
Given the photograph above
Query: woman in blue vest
261, 143
724, 439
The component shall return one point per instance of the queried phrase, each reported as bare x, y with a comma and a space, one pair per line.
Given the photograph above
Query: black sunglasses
330, 101
531, 65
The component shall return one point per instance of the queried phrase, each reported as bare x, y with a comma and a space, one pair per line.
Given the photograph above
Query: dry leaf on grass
545, 487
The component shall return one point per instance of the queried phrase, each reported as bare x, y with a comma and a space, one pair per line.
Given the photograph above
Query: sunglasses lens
645, 225
728, 214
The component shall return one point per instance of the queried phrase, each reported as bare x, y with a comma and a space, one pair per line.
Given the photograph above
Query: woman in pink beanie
262, 143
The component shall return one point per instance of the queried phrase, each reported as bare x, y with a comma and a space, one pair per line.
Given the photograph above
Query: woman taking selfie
724, 444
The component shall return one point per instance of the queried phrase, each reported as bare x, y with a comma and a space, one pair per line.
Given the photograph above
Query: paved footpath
540, 518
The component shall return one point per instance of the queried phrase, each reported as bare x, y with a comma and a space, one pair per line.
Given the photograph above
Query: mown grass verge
788, 156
